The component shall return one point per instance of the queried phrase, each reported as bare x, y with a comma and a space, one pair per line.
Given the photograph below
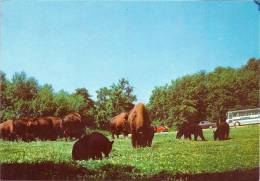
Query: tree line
194, 97
206, 96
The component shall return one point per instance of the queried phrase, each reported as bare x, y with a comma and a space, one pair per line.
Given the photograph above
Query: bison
187, 129
222, 131
118, 124
7, 130
138, 124
57, 126
92, 146
22, 129
73, 126
43, 128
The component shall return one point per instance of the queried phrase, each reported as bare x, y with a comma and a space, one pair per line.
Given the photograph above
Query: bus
243, 117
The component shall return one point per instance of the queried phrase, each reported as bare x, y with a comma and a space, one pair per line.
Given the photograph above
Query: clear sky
73, 44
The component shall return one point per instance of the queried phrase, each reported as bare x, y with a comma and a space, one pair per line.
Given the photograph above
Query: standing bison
22, 129
6, 130
56, 126
222, 131
118, 124
43, 128
138, 124
187, 129
73, 126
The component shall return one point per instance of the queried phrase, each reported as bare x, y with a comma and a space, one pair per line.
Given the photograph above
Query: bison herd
136, 122
43, 128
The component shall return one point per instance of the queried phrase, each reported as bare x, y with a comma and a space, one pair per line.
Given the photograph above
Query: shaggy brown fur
222, 131
92, 146
6, 130
73, 126
139, 125
118, 124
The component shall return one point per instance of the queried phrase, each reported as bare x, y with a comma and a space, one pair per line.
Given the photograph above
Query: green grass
167, 156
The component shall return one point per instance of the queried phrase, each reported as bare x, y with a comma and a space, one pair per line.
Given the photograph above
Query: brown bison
138, 124
118, 124
42, 128
6, 130
22, 129
222, 131
187, 129
91, 146
73, 126
57, 126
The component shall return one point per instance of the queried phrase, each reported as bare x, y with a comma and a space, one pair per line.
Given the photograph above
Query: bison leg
134, 140
195, 137
113, 135
202, 137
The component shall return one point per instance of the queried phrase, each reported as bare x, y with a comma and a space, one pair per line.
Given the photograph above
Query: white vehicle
243, 117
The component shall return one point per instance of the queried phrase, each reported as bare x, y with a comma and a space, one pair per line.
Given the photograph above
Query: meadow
167, 159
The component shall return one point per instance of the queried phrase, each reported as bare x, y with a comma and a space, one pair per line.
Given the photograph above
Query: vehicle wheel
237, 124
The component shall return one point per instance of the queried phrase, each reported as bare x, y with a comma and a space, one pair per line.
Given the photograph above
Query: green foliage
43, 103
23, 97
17, 96
87, 109
112, 101
202, 96
67, 103
167, 156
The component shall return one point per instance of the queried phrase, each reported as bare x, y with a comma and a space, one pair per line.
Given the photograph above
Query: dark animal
138, 124
92, 146
6, 130
145, 136
222, 131
187, 129
43, 128
21, 129
118, 124
73, 126
57, 126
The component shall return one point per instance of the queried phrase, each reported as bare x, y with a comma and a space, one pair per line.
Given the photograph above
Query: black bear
187, 129
222, 131
91, 146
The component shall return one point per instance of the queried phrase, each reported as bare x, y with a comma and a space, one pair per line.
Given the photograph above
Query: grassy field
167, 159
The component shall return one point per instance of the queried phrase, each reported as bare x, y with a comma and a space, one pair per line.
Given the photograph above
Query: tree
112, 101
18, 96
43, 103
86, 110
66, 103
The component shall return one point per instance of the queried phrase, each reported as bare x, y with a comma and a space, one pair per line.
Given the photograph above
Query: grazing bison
91, 146
145, 136
222, 131
187, 129
6, 130
57, 126
138, 124
73, 126
118, 124
43, 128
21, 128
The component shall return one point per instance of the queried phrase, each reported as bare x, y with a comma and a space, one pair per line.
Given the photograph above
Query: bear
91, 147
222, 131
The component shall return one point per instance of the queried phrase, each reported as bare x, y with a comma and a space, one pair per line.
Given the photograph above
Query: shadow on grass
237, 175
52, 171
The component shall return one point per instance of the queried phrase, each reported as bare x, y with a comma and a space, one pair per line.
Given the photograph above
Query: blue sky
72, 44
